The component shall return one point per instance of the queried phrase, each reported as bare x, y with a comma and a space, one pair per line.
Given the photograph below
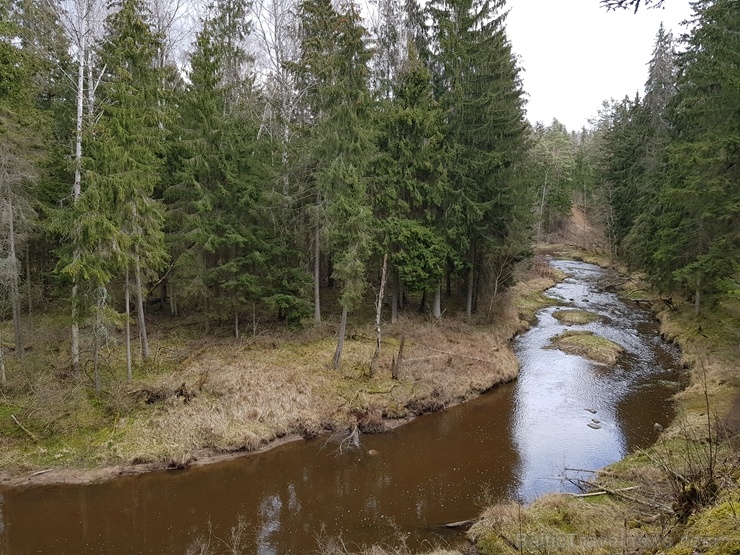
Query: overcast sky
575, 54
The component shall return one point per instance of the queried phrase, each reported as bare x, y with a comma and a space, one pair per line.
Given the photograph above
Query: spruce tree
552, 161
699, 244
478, 84
21, 143
410, 183
651, 127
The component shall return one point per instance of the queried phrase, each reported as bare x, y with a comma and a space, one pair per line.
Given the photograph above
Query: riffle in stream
517, 441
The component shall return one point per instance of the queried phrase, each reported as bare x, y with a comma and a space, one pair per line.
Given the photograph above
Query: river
517, 441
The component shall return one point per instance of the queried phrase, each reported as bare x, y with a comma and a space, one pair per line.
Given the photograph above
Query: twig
603, 492
22, 427
617, 493
40, 472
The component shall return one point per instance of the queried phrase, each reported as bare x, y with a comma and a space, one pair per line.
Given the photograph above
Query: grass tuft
575, 317
590, 345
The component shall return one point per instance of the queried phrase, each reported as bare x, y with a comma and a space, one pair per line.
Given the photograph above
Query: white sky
575, 54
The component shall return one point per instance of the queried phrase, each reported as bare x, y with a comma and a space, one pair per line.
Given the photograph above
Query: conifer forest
225, 223
239, 163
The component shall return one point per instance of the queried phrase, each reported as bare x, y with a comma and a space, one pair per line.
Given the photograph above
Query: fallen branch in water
460, 524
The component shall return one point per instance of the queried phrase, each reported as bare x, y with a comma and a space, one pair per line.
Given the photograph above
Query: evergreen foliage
672, 158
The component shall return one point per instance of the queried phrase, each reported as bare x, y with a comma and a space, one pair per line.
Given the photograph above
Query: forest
276, 159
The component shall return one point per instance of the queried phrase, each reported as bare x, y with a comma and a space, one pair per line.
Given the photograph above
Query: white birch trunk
3, 378
378, 314
77, 186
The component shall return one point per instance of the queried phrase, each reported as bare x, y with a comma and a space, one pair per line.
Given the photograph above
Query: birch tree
82, 21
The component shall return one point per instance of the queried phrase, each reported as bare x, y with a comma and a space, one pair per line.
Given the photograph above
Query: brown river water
518, 441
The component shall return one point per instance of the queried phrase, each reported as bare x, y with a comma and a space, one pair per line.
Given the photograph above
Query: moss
714, 531
588, 344
575, 317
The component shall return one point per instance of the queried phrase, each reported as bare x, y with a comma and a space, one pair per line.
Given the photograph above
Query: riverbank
679, 496
201, 402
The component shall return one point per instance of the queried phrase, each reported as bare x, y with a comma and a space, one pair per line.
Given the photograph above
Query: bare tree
174, 22
631, 4
390, 36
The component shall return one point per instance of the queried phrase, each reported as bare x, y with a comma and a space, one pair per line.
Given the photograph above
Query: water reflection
559, 395
512, 442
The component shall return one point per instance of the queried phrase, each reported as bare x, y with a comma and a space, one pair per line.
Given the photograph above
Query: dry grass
590, 345
201, 396
255, 394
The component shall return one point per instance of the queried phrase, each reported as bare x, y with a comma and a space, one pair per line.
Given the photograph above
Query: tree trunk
469, 305
75, 334
423, 303
236, 323
394, 307
378, 313
127, 294
96, 349
697, 297
317, 268
173, 301
340, 342
163, 293
398, 361
3, 378
437, 309
77, 186
15, 294
206, 312
140, 310
29, 289
399, 290
542, 206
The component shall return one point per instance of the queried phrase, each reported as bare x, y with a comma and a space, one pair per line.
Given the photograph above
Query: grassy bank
679, 497
201, 397
588, 344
